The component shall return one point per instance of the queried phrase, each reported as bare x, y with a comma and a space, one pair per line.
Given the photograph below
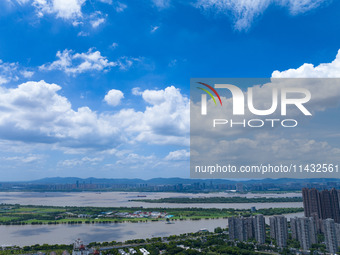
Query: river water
65, 234
121, 199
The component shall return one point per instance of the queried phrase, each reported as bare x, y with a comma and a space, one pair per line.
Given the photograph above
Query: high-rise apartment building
337, 232
293, 228
243, 229
330, 236
260, 228
279, 230
304, 230
240, 228
321, 204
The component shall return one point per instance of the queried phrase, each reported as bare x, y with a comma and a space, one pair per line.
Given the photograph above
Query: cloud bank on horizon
104, 92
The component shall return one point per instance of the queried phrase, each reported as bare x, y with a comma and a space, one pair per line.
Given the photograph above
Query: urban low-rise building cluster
143, 214
110, 214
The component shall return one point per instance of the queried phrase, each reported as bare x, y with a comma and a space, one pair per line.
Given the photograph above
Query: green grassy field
223, 200
18, 214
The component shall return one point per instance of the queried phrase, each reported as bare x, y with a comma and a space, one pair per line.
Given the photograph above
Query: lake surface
65, 234
121, 199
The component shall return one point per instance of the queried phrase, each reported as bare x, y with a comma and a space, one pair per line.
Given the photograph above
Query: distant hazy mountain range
170, 181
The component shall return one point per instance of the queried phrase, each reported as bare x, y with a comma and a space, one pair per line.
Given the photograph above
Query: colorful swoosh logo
209, 93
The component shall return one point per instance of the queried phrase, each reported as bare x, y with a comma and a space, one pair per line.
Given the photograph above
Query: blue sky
101, 87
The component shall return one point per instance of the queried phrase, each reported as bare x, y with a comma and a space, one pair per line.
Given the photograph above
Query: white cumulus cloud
114, 97
69, 10
120, 7
97, 18
167, 120
178, 155
12, 72
79, 162
161, 3
114, 45
154, 29
27, 74
35, 113
136, 91
325, 70
75, 63
66, 9
243, 13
